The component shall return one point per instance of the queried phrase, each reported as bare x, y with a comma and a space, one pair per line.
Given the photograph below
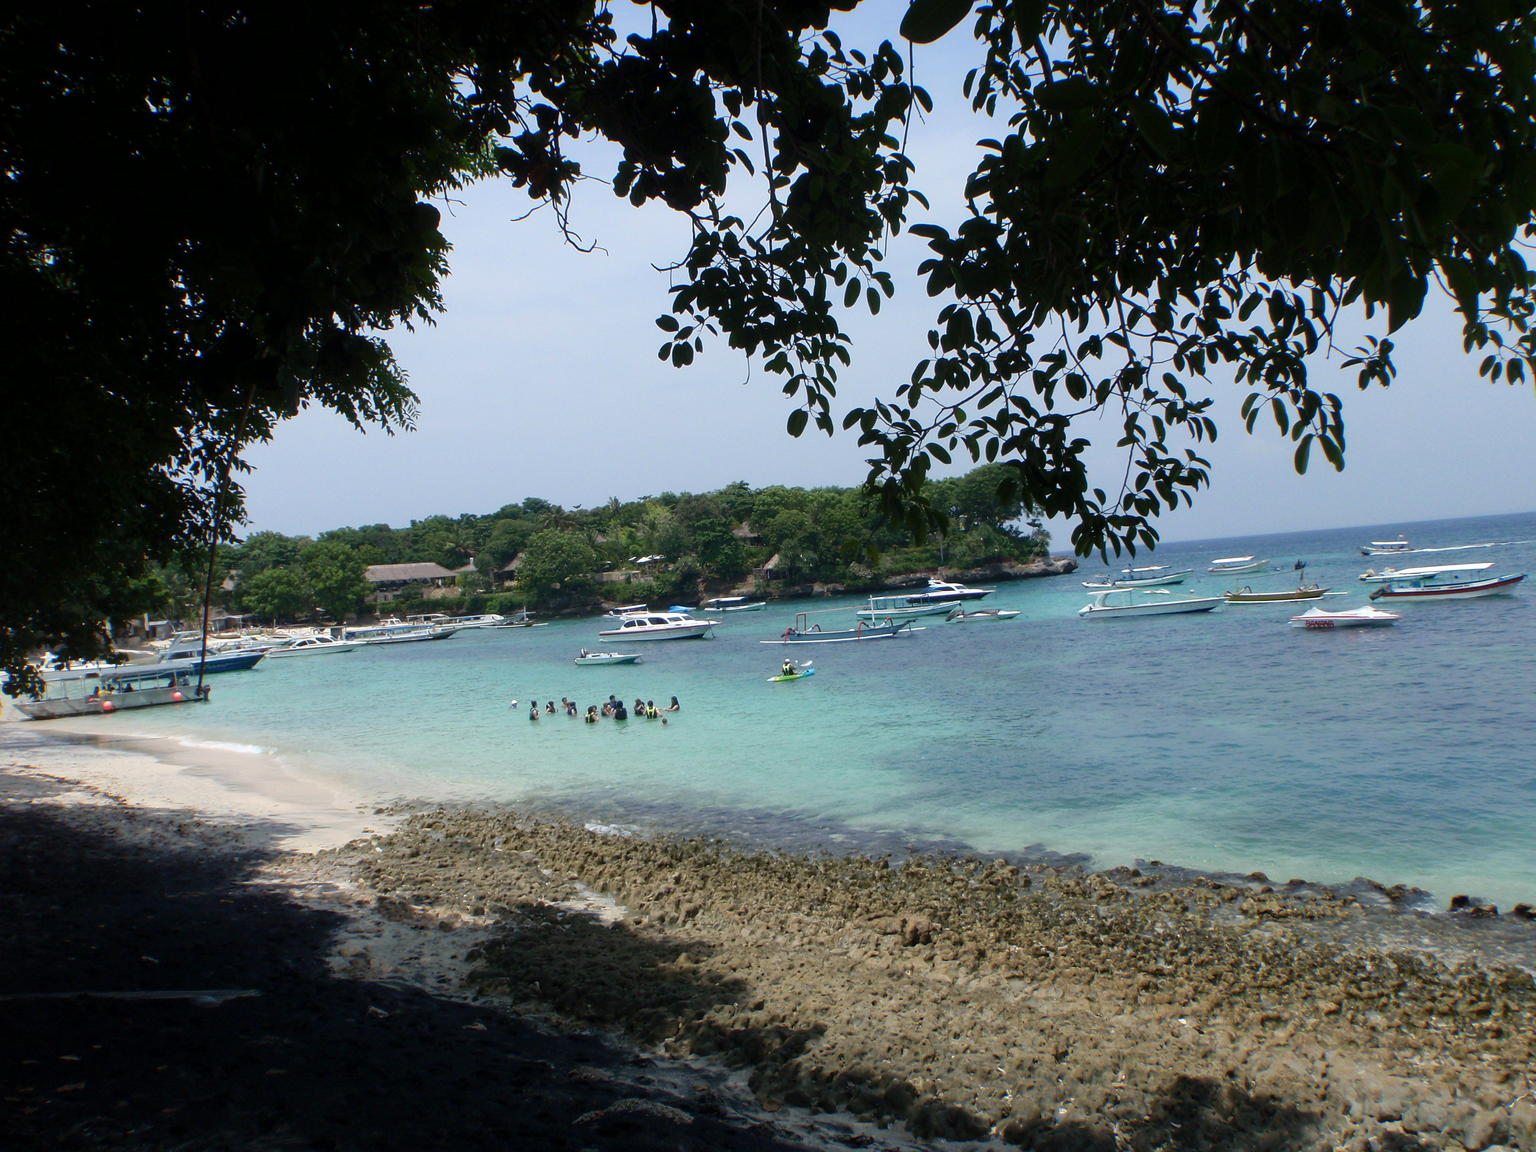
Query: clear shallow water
1225, 741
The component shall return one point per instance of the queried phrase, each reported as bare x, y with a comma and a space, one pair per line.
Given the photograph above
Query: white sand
217, 784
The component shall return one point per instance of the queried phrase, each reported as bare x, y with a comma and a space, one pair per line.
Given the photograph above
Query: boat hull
110, 702
845, 635
1288, 595
1166, 608
1467, 590
592, 658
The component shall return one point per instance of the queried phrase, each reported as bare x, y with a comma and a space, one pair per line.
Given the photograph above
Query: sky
542, 379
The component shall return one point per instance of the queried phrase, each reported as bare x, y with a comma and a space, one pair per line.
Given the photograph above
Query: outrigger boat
109, 698
731, 604
980, 615
1246, 595
1131, 605
1446, 582
1232, 564
892, 609
801, 633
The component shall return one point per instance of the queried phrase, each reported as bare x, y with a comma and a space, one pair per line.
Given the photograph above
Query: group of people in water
611, 709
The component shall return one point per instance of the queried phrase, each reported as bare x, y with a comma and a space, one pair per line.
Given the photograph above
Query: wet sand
797, 1001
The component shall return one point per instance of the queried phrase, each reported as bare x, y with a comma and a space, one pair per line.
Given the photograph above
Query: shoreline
965, 999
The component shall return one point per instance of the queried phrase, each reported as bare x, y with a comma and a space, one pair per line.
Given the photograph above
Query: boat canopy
1438, 569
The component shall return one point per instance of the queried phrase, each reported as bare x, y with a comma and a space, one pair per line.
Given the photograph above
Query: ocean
1223, 742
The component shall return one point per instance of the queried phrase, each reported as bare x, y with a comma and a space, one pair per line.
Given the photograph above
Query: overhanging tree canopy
211, 210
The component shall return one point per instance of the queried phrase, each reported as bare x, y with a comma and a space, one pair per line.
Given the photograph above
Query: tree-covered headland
214, 211
658, 549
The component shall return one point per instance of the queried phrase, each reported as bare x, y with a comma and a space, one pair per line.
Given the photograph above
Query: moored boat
946, 592
1226, 565
1317, 619
1143, 602
315, 645
110, 699
659, 626
897, 608
803, 633
1147, 576
592, 658
732, 604
980, 615
1446, 582
1246, 595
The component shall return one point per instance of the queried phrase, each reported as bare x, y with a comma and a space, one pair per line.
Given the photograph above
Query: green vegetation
1177, 199
657, 549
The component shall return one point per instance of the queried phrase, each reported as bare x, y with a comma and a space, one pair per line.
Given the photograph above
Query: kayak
800, 675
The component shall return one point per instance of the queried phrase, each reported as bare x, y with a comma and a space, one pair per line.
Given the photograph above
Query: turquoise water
1224, 741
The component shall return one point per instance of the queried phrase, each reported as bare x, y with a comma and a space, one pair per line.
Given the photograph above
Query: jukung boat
802, 633
1147, 576
1319, 620
1143, 602
1446, 582
1246, 595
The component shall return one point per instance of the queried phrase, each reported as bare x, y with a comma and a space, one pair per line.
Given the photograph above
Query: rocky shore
971, 1000
486, 978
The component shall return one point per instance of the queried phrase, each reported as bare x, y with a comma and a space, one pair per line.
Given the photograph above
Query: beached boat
891, 609
1143, 602
1385, 547
659, 626
803, 633
1446, 582
1368, 617
1147, 576
316, 645
592, 658
980, 615
1246, 595
946, 592
732, 604
109, 699
1226, 565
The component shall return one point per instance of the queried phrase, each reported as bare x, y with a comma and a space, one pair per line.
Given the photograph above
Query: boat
1147, 576
1231, 564
191, 665
1446, 582
618, 612
800, 673
893, 608
316, 645
659, 626
1133, 602
1385, 547
980, 615
1318, 619
522, 619
108, 699
443, 620
944, 591
393, 630
409, 636
802, 633
1246, 595
1372, 576
732, 604
586, 657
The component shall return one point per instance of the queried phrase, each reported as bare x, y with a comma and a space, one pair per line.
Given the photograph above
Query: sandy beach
204, 952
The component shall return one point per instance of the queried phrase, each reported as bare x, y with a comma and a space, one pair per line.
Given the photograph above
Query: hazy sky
541, 379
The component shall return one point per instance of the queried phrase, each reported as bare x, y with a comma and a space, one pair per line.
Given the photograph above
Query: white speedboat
946, 592
1143, 602
980, 615
1322, 621
1385, 547
1446, 582
315, 646
732, 604
888, 609
586, 657
659, 626
1147, 576
1229, 564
